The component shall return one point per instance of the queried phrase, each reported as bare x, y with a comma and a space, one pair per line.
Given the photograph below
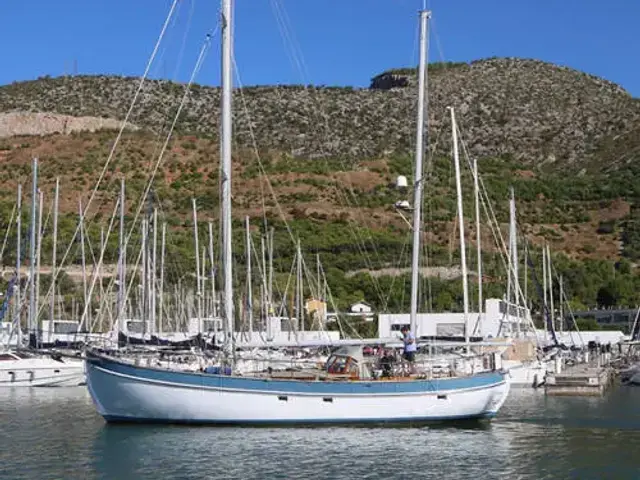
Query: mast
144, 314
514, 257
270, 309
18, 300
249, 292
153, 272
82, 254
212, 273
52, 304
544, 275
463, 249
264, 289
476, 191
161, 288
299, 314
550, 273
418, 184
544, 284
225, 163
121, 265
32, 259
526, 279
561, 305
38, 255
197, 252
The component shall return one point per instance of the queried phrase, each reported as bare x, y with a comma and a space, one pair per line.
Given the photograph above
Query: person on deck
410, 346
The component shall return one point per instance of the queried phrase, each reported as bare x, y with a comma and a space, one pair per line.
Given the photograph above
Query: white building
361, 307
498, 319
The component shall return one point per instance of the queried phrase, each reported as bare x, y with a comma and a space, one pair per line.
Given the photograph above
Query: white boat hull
128, 393
527, 375
41, 372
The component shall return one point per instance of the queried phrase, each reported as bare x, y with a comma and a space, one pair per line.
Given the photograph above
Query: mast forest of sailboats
346, 390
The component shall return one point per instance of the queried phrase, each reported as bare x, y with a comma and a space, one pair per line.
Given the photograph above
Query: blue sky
328, 42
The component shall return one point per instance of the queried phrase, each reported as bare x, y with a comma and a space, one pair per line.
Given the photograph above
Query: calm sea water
56, 434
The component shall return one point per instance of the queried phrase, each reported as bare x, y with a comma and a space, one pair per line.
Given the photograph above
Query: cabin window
7, 357
327, 399
56, 371
442, 397
283, 398
337, 365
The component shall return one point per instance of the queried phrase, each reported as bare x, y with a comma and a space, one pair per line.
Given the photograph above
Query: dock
580, 380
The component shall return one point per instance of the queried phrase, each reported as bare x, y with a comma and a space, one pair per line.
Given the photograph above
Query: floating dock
580, 380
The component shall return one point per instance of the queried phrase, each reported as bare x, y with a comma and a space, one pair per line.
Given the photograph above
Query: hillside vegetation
566, 141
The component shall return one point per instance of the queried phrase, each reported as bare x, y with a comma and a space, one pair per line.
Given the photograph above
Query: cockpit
347, 362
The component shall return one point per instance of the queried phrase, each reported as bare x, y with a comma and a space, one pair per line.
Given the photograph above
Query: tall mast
249, 292
144, 314
161, 287
561, 305
18, 294
476, 191
153, 272
212, 274
463, 249
514, 257
52, 304
544, 287
550, 274
197, 251
38, 257
299, 314
544, 278
264, 290
418, 185
121, 264
225, 162
82, 254
32, 258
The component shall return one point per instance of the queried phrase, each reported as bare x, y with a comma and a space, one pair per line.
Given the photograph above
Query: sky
327, 42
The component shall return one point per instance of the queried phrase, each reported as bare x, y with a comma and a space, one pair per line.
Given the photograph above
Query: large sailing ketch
125, 392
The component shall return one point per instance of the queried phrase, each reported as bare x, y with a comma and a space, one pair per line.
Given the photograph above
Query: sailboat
346, 390
20, 367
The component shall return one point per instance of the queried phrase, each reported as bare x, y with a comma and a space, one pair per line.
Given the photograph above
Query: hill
532, 110
567, 142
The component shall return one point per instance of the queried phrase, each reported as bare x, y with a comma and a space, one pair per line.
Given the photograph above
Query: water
56, 434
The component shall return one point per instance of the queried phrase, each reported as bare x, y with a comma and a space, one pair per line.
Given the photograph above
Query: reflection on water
55, 433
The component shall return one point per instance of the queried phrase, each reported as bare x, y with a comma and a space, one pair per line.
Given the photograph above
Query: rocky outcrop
389, 80
36, 123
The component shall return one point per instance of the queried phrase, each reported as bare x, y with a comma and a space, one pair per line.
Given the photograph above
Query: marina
435, 276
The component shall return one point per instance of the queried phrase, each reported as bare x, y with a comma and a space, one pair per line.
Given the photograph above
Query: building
361, 307
316, 310
498, 319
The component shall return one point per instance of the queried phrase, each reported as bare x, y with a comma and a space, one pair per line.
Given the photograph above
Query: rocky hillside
569, 144
537, 112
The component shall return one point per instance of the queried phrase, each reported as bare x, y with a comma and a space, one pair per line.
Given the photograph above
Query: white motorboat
19, 369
